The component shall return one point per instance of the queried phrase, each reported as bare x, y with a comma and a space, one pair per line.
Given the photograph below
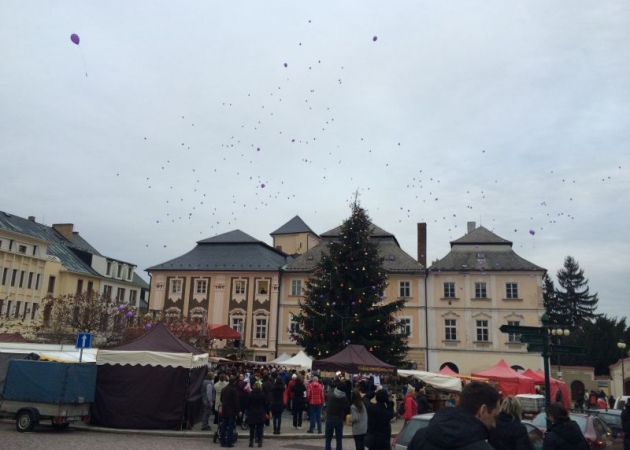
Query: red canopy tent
509, 380
554, 385
218, 331
446, 370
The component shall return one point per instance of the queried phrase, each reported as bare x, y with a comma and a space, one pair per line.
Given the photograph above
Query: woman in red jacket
411, 407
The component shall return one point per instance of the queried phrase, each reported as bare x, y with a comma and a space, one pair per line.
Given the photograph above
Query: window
90, 286
21, 278
201, 286
481, 290
237, 324
51, 285
294, 325
133, 294
176, 286
513, 337
13, 277
405, 323
104, 322
109, 268
482, 331
239, 286
17, 309
119, 273
22, 249
450, 329
511, 290
120, 294
263, 287
79, 286
449, 289
130, 273
107, 291
296, 288
47, 314
261, 329
260, 358
404, 289
5, 271
30, 280
37, 279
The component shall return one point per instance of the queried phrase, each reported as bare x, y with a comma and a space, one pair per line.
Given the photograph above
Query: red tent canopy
538, 379
554, 385
510, 381
446, 370
218, 331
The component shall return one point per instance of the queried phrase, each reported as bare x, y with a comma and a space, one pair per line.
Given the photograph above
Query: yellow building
478, 286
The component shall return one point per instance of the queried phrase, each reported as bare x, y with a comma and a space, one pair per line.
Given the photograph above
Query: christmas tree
344, 300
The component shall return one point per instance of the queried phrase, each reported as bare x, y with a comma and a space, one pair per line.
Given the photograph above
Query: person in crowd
266, 386
315, 398
359, 419
625, 424
289, 392
611, 401
277, 404
558, 395
564, 433
379, 427
579, 402
230, 410
256, 406
464, 427
207, 398
218, 388
422, 401
411, 406
299, 397
336, 406
510, 433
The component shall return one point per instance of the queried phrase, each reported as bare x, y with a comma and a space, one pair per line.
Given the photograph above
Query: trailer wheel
24, 421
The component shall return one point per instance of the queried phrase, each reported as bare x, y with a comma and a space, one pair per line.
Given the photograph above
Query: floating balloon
121, 307
148, 326
532, 232
75, 38
374, 38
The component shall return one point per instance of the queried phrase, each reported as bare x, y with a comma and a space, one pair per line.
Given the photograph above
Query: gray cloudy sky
200, 117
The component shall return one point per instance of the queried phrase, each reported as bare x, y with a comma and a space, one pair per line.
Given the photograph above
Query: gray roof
58, 246
295, 225
137, 279
395, 260
232, 251
495, 255
481, 235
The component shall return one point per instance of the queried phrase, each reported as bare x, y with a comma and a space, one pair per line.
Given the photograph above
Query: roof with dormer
231, 251
294, 226
395, 260
482, 250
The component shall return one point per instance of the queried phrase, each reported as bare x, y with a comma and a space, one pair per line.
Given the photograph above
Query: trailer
38, 391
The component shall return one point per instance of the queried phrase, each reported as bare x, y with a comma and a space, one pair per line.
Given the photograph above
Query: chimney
31, 218
64, 229
422, 244
471, 227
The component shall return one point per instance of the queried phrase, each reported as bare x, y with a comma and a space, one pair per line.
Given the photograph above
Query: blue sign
84, 340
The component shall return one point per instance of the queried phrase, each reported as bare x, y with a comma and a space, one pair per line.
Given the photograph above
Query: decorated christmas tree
344, 300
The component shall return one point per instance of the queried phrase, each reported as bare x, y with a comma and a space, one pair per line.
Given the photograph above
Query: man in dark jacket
337, 405
564, 433
625, 423
230, 410
465, 427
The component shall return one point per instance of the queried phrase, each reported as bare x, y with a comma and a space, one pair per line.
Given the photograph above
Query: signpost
84, 340
537, 339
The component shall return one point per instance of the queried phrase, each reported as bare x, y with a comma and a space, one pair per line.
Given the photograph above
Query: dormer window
22, 249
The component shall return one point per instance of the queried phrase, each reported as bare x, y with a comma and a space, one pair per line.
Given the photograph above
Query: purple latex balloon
129, 314
75, 38
148, 326
121, 307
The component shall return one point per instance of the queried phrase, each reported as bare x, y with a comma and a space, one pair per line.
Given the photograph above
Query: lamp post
558, 333
622, 347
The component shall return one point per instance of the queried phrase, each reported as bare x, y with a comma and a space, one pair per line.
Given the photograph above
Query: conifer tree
573, 296
344, 299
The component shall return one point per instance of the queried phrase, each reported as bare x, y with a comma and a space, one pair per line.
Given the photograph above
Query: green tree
344, 299
555, 311
573, 296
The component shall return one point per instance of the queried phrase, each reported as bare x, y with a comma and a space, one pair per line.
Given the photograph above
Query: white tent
281, 358
437, 380
50, 352
301, 360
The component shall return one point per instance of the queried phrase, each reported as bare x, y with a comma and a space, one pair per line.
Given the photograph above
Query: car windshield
611, 419
541, 421
409, 431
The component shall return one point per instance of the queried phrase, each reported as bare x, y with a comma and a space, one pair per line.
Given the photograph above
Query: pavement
287, 431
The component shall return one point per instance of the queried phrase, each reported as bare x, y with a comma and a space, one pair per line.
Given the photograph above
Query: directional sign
517, 329
535, 348
557, 349
531, 339
84, 340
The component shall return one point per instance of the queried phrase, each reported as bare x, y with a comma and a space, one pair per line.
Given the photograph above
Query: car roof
616, 412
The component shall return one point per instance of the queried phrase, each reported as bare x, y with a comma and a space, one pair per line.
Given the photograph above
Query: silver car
420, 421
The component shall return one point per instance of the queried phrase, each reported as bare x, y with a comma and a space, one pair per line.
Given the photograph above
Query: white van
621, 401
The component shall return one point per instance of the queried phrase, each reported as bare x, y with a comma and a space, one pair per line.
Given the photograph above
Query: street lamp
622, 347
559, 332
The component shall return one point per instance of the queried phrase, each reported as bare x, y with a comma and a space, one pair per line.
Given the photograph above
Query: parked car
400, 442
612, 417
621, 401
598, 435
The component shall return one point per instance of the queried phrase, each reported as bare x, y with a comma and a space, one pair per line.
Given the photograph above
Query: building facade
478, 286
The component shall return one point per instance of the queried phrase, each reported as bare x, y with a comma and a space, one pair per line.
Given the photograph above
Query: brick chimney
471, 227
64, 229
31, 218
422, 244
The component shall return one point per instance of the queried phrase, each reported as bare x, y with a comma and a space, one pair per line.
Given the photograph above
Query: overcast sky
174, 121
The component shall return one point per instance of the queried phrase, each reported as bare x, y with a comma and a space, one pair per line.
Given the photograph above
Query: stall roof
436, 380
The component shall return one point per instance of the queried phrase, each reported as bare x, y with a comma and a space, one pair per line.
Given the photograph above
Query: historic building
39, 261
478, 286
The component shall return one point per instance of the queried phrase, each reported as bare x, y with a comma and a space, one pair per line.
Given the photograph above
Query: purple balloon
148, 326
121, 307
75, 38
